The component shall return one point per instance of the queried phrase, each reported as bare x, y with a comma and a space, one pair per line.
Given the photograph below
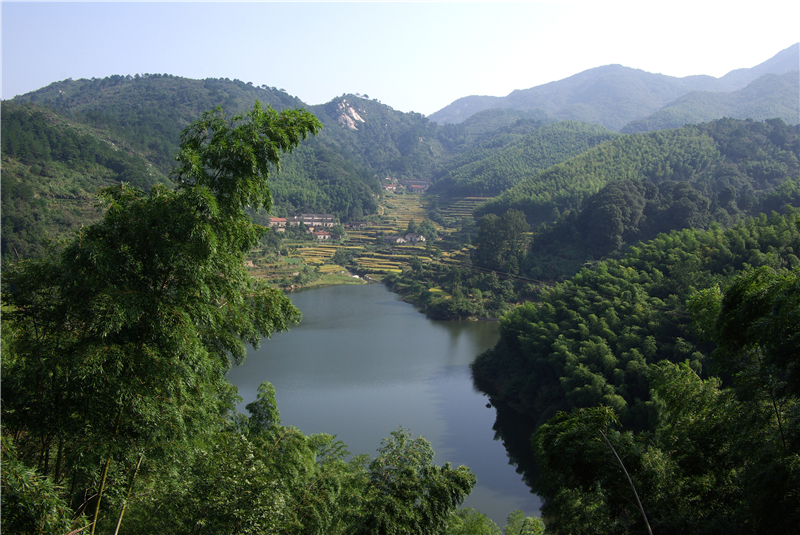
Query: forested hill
339, 171
614, 96
139, 119
51, 171
499, 163
592, 339
677, 365
147, 112
724, 166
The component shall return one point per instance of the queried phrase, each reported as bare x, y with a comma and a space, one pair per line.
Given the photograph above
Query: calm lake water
362, 363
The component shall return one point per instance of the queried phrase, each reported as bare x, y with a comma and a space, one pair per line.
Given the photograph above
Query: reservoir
362, 363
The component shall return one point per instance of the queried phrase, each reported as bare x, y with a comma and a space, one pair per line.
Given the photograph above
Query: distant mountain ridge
614, 95
770, 96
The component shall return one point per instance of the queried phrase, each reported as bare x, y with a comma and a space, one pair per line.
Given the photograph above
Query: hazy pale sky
412, 56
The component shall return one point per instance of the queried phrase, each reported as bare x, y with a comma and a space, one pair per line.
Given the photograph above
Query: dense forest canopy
637, 337
51, 172
589, 339
724, 161
496, 165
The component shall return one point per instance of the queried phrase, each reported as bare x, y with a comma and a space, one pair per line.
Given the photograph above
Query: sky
412, 56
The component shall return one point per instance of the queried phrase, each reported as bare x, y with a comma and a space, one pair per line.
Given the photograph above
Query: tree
120, 342
759, 316
578, 451
256, 475
427, 229
468, 521
489, 243
502, 241
519, 524
406, 493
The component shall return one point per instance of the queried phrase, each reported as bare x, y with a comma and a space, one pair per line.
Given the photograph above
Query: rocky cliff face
348, 116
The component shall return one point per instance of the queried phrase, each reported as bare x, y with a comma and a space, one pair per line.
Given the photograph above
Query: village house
415, 186
322, 235
278, 223
394, 240
414, 238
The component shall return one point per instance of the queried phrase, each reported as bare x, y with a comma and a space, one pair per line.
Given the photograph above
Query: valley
639, 260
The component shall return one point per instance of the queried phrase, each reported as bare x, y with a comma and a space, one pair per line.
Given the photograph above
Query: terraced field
365, 246
458, 208
400, 209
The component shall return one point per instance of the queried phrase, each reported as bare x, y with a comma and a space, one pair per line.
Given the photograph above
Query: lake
362, 363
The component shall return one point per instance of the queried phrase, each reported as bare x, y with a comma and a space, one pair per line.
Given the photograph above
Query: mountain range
63, 142
625, 99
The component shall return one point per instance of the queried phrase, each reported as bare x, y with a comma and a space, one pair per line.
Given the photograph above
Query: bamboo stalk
103, 480
130, 490
100, 494
630, 481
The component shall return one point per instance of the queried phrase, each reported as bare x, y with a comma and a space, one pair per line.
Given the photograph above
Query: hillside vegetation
621, 337
51, 173
497, 164
115, 353
752, 158
752, 168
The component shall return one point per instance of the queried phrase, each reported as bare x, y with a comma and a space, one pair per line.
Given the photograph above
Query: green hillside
626, 351
147, 113
756, 172
500, 162
753, 158
646, 301
51, 171
590, 339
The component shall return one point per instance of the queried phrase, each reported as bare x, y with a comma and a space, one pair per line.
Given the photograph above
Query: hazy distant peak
614, 95
787, 60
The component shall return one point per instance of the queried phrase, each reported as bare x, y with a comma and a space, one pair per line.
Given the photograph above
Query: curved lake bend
362, 363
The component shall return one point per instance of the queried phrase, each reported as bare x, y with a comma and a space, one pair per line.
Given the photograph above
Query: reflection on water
362, 363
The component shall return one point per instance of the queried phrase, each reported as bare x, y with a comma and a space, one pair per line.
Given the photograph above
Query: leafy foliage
31, 503
124, 337
115, 351
713, 464
144, 115
501, 242
591, 340
406, 493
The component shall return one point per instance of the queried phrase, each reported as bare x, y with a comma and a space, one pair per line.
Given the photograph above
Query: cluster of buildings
315, 224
